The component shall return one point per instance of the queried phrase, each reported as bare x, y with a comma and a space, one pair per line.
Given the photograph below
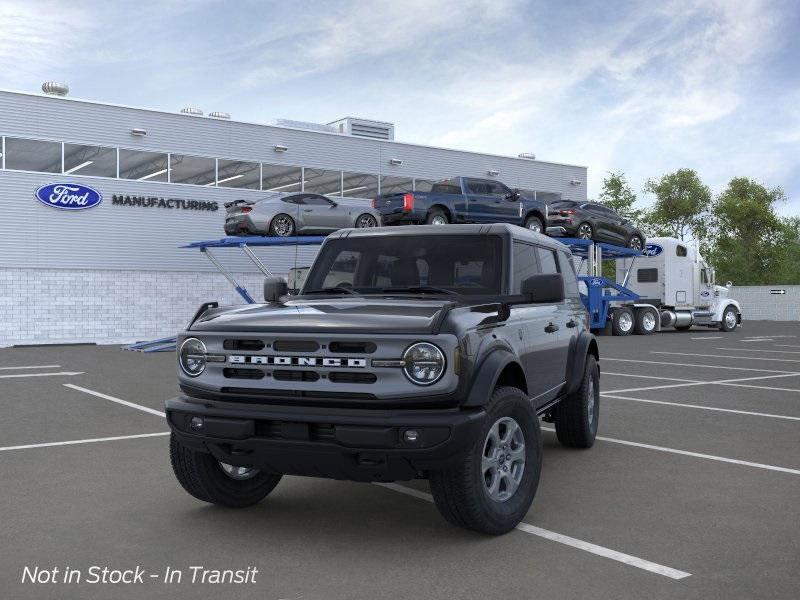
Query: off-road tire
272, 230
201, 475
639, 325
723, 326
534, 220
618, 322
460, 490
436, 214
576, 424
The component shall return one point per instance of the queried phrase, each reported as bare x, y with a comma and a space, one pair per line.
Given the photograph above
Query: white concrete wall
759, 304
40, 306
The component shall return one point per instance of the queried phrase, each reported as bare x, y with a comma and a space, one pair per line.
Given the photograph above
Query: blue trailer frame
600, 295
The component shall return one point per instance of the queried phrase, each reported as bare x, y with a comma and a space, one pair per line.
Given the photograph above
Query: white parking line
152, 411
727, 356
708, 337
650, 377
714, 382
756, 340
31, 367
20, 375
759, 350
700, 406
674, 364
86, 441
787, 346
733, 461
627, 559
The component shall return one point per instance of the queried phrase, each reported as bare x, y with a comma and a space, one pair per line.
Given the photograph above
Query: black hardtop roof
502, 229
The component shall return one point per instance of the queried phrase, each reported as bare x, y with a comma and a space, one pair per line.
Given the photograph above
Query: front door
322, 214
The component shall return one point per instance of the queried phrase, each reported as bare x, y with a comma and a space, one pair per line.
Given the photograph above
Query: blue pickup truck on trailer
464, 200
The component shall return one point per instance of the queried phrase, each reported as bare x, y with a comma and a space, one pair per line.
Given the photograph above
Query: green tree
751, 244
618, 195
681, 205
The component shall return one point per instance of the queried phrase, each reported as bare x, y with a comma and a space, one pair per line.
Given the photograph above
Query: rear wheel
282, 225
645, 323
366, 220
729, 319
490, 489
534, 224
635, 242
209, 480
576, 417
622, 321
437, 217
585, 231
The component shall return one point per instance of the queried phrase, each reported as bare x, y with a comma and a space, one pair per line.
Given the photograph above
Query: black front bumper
353, 444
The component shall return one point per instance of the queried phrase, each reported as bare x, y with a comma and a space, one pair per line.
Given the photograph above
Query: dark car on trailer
593, 221
464, 200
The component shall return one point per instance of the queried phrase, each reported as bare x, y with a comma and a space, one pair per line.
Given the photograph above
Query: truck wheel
282, 225
576, 416
534, 224
645, 321
729, 320
437, 217
622, 321
209, 480
490, 488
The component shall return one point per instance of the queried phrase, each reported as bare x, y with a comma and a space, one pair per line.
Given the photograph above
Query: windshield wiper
331, 290
418, 289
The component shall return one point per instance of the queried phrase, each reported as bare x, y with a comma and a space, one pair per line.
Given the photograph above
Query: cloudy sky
642, 87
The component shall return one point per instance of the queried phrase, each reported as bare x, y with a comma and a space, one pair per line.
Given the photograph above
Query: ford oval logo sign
68, 196
652, 250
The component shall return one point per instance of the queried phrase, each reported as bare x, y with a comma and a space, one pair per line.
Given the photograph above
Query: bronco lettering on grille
298, 361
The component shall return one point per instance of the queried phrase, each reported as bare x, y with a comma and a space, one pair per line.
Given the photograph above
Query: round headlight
192, 357
424, 363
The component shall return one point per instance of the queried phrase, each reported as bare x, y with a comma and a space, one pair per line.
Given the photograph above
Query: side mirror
514, 195
334, 204
544, 288
274, 288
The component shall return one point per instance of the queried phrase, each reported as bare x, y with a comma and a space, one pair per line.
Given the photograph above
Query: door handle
571, 323
307, 210
551, 328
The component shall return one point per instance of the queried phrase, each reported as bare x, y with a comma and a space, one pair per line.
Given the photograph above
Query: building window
359, 185
320, 181
143, 166
279, 178
90, 160
196, 170
423, 185
396, 185
33, 155
238, 174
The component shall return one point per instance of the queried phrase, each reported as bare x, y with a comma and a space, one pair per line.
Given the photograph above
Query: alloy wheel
282, 226
535, 226
635, 243
238, 473
730, 319
366, 221
503, 459
625, 321
438, 220
585, 231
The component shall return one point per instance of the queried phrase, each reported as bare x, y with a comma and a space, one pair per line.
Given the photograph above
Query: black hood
332, 315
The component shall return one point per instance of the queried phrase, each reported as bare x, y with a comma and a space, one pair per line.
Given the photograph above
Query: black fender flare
535, 212
484, 378
580, 347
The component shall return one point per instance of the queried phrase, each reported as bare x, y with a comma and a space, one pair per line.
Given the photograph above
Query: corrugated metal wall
764, 302
124, 237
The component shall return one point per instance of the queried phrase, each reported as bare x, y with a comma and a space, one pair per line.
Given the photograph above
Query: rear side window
570, 278
647, 275
525, 264
547, 260
446, 187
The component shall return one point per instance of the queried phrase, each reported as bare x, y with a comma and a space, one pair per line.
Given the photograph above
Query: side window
703, 276
525, 264
547, 260
477, 187
497, 189
647, 275
570, 278
680, 250
316, 201
294, 199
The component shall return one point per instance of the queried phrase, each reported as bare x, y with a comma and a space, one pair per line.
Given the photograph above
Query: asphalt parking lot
692, 490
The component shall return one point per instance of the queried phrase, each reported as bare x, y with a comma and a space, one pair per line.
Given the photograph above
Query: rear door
560, 316
480, 201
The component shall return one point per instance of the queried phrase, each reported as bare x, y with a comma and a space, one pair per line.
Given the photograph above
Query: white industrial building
114, 272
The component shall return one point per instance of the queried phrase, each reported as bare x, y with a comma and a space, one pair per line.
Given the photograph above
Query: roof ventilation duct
53, 88
192, 110
375, 130
219, 115
527, 155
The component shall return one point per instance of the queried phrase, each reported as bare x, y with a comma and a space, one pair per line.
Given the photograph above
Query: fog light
196, 423
411, 436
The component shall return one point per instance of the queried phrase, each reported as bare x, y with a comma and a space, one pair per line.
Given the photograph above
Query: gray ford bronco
414, 352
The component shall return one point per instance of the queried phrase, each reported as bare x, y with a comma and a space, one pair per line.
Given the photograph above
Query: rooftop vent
376, 130
527, 155
303, 125
192, 110
53, 88
219, 115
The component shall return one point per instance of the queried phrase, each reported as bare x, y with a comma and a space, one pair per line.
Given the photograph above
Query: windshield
425, 264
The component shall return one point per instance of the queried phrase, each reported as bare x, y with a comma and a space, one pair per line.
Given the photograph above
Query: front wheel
366, 220
209, 480
576, 417
729, 320
491, 487
534, 224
